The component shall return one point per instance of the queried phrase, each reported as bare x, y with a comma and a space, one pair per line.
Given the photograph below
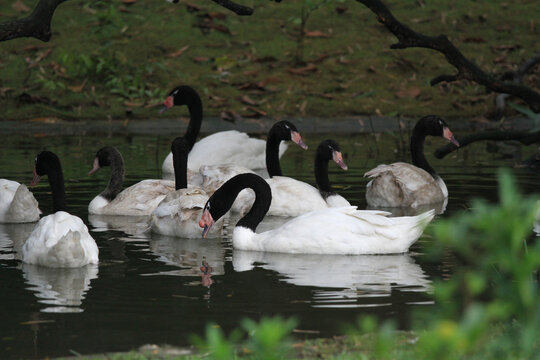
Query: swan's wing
24, 207
340, 231
291, 197
213, 176
182, 204
141, 198
229, 147
407, 175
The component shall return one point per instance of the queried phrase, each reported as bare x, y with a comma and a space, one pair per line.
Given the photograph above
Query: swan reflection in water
356, 276
195, 257
62, 288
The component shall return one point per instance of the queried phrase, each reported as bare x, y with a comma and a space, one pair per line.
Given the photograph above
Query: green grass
127, 67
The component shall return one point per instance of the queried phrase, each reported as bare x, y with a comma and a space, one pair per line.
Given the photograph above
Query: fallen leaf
20, 7
247, 100
250, 73
79, 88
129, 2
230, 116
5, 90
341, 9
252, 86
474, 39
327, 96
303, 70
410, 93
316, 34
257, 112
193, 7
216, 15
200, 59
178, 52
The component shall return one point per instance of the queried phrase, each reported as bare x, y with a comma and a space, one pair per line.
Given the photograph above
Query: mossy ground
109, 59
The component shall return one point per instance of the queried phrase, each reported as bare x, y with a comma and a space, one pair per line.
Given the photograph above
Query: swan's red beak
167, 104
36, 178
95, 167
447, 134
338, 159
297, 139
206, 223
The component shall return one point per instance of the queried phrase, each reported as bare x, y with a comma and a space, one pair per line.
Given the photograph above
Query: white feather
17, 203
60, 240
139, 199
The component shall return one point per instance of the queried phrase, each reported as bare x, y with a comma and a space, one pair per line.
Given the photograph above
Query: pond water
150, 289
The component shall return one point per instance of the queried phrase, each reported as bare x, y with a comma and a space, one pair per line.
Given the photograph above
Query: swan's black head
286, 131
329, 150
46, 162
221, 201
434, 125
180, 95
104, 157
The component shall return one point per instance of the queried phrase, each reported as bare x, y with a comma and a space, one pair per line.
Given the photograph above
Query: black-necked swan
401, 184
17, 203
178, 213
224, 147
59, 239
139, 199
291, 197
343, 230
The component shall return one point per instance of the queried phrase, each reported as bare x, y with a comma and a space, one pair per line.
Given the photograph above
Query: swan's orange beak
36, 178
95, 167
206, 223
338, 159
167, 104
297, 139
447, 134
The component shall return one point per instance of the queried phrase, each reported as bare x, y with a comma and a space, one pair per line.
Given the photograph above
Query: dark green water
149, 288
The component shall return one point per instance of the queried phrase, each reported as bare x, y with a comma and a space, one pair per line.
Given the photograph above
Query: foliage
268, 339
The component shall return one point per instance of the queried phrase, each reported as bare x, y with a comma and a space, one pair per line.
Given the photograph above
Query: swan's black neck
194, 104
417, 150
116, 180
180, 150
272, 154
56, 181
222, 200
321, 176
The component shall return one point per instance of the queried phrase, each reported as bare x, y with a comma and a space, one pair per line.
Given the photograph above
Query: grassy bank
109, 59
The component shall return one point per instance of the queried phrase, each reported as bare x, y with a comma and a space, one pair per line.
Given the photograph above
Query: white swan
343, 230
224, 147
139, 199
178, 213
17, 203
59, 239
291, 197
401, 184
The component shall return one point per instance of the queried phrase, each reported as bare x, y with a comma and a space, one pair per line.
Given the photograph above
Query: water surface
149, 288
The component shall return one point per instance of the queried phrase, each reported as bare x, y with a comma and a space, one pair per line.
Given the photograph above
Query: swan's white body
17, 203
290, 197
225, 147
60, 240
401, 184
139, 199
344, 230
179, 213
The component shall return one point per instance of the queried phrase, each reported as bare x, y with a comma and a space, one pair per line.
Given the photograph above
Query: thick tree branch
525, 138
466, 69
517, 78
234, 7
37, 24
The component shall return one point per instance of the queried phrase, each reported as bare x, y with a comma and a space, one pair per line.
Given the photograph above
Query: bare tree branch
525, 138
467, 70
234, 7
37, 24
517, 78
